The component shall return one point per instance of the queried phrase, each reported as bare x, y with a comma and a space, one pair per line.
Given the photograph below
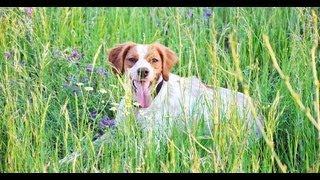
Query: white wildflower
80, 84
103, 91
113, 109
88, 88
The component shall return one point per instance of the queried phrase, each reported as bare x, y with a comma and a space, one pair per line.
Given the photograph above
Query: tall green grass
42, 120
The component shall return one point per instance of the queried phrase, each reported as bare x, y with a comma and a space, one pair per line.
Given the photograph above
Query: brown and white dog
164, 98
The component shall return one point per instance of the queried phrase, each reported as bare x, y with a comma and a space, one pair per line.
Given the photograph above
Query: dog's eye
132, 59
155, 60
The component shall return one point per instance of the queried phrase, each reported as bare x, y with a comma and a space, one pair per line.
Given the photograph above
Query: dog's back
182, 102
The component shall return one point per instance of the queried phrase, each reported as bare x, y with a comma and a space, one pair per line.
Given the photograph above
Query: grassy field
56, 86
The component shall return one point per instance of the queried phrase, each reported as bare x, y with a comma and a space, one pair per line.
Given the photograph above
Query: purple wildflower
29, 11
93, 114
89, 68
65, 85
84, 80
72, 79
74, 55
101, 71
7, 55
104, 122
107, 122
207, 13
75, 89
190, 14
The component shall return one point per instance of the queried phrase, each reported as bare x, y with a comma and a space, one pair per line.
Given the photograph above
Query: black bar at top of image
161, 3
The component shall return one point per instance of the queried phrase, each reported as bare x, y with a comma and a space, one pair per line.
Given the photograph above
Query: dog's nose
143, 72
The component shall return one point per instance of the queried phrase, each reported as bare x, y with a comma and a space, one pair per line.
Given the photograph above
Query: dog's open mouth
142, 91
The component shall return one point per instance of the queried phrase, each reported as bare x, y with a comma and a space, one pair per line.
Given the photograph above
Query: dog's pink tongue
143, 95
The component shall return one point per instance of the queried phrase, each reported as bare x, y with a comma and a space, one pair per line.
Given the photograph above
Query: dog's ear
169, 59
117, 55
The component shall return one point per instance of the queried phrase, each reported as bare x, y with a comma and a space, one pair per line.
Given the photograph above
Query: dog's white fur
184, 101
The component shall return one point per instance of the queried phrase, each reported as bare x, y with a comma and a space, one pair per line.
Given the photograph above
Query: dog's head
146, 65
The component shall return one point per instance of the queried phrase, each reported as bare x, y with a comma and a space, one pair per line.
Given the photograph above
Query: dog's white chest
180, 101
